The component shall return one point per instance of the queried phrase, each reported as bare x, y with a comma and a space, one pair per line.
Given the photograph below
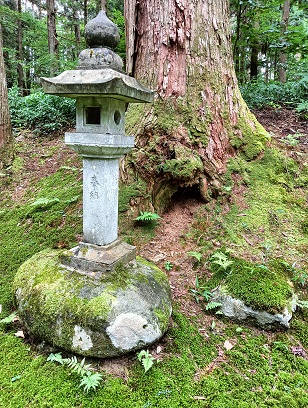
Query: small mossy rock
237, 310
125, 310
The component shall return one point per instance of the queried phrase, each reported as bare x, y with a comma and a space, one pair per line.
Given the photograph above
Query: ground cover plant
204, 360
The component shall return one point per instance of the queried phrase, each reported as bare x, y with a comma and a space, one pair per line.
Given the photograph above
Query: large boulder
120, 311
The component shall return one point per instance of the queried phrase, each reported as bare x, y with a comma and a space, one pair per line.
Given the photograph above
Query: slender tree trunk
182, 50
85, 12
76, 28
53, 44
6, 137
20, 71
283, 29
254, 61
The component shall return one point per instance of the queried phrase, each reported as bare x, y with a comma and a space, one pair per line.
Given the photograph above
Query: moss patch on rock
261, 287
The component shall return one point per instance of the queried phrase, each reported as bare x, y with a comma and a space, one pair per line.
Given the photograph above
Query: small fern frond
90, 381
212, 305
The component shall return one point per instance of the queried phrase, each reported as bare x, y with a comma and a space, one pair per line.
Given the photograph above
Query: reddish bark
182, 50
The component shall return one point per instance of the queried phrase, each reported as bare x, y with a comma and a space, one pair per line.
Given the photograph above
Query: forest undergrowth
204, 360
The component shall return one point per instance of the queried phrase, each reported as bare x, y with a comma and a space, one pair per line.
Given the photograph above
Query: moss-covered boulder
260, 294
124, 310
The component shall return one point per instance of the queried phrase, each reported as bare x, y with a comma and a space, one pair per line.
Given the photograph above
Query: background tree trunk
182, 50
20, 57
283, 29
6, 137
53, 44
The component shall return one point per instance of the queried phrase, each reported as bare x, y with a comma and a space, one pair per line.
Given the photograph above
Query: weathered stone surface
237, 310
94, 260
124, 310
100, 31
106, 81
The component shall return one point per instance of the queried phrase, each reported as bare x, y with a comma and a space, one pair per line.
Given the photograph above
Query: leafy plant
212, 305
300, 277
146, 359
88, 380
44, 203
201, 291
221, 259
196, 255
9, 319
168, 266
292, 139
147, 216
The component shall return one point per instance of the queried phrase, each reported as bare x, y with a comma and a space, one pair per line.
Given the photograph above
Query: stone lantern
102, 92
96, 299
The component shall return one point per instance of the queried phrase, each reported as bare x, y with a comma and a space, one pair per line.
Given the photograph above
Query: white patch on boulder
129, 330
81, 339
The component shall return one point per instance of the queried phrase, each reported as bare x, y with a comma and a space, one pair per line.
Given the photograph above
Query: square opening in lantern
93, 115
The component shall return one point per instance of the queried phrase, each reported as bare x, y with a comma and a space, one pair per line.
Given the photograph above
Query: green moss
261, 287
130, 191
185, 164
253, 137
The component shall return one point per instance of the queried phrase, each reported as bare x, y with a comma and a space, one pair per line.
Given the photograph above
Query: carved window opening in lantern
92, 115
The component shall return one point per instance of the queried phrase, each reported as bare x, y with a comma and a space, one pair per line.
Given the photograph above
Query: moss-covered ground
265, 219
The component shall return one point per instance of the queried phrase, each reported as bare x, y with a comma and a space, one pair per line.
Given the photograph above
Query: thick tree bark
6, 137
283, 29
182, 50
53, 44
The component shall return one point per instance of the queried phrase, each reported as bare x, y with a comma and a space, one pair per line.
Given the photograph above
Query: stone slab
94, 260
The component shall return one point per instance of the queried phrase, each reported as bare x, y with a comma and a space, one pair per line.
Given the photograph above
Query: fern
56, 357
79, 368
147, 216
212, 305
302, 303
88, 380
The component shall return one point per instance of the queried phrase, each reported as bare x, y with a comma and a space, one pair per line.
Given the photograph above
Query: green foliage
259, 94
222, 260
212, 305
41, 112
302, 109
9, 319
196, 255
147, 216
89, 381
201, 292
168, 266
146, 359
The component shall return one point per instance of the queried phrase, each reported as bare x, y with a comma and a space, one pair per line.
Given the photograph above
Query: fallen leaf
228, 345
158, 349
299, 351
20, 333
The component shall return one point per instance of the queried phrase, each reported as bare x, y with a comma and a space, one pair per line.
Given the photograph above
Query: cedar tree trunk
182, 50
283, 29
6, 137
53, 43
